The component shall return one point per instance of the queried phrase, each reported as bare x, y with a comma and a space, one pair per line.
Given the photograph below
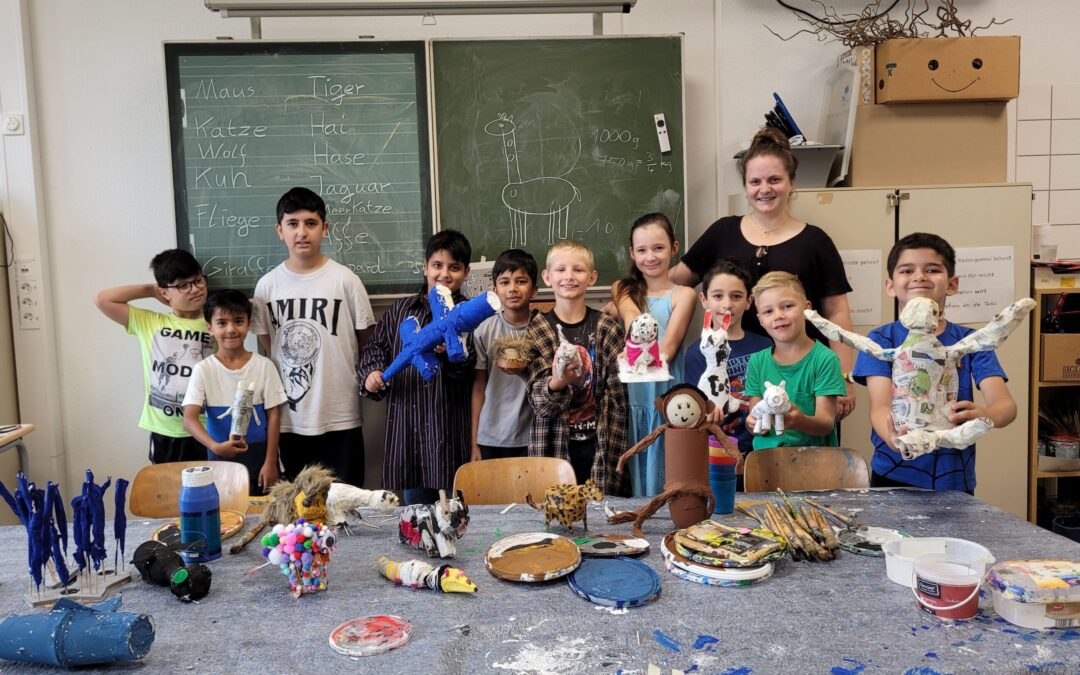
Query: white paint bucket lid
900, 554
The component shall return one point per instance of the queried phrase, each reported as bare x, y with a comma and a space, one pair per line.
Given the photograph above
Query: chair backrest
155, 492
507, 481
805, 469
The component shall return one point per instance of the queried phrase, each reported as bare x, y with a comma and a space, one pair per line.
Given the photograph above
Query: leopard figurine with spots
567, 503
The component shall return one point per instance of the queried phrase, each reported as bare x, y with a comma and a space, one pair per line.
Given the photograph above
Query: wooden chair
805, 469
507, 481
155, 492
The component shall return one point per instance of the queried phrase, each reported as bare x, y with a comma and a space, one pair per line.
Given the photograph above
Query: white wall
102, 140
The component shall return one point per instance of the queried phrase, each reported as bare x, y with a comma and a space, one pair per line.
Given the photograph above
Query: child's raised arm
820, 423
1000, 406
113, 302
546, 402
880, 390
683, 303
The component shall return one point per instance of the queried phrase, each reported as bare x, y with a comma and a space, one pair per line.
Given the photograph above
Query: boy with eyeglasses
171, 344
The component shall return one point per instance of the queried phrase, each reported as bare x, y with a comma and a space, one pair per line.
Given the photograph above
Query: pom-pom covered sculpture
924, 376
304, 497
567, 503
435, 528
448, 326
301, 551
768, 413
71, 635
419, 574
568, 353
642, 360
344, 500
714, 379
161, 565
242, 411
686, 432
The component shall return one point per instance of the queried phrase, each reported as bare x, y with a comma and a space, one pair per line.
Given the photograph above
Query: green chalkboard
349, 120
542, 140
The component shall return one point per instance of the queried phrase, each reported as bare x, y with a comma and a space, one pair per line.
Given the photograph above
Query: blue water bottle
200, 515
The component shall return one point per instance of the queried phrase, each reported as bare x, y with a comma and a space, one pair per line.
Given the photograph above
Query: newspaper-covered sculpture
642, 360
714, 379
924, 377
344, 501
419, 574
567, 353
242, 411
768, 413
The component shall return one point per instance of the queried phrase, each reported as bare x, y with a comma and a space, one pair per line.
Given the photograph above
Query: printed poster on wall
863, 270
986, 284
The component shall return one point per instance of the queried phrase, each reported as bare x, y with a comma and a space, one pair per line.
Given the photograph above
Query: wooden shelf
1058, 474
1058, 384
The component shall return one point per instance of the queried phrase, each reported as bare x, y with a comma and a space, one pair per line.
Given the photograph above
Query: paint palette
615, 582
532, 556
710, 575
611, 546
370, 635
232, 522
867, 540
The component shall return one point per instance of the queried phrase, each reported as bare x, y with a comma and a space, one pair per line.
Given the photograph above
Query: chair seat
507, 481
155, 492
805, 468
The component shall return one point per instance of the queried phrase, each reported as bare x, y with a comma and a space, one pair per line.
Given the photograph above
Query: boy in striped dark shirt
427, 423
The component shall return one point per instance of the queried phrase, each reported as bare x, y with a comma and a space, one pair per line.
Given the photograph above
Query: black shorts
340, 451
169, 449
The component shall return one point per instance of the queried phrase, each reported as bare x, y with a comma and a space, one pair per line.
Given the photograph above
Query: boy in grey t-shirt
501, 414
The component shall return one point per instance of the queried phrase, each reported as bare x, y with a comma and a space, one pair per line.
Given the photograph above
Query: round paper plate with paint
533, 556
763, 572
611, 546
867, 540
370, 635
615, 582
169, 533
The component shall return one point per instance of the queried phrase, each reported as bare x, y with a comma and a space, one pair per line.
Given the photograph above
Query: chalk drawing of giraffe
544, 198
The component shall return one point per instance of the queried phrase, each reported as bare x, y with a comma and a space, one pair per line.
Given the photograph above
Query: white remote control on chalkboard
661, 132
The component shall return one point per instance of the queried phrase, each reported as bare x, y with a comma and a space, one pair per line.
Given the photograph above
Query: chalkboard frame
682, 220
418, 49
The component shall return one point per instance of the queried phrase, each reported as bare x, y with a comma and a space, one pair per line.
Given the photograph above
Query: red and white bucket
948, 586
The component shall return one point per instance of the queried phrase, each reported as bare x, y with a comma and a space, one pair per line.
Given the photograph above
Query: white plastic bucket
948, 586
900, 554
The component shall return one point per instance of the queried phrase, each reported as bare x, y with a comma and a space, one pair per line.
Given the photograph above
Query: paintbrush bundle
804, 526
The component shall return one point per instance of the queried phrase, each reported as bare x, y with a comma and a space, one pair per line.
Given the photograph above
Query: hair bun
768, 136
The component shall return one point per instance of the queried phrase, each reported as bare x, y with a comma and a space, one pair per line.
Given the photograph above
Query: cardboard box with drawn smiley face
948, 69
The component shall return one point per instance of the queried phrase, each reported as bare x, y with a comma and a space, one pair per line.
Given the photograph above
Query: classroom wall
101, 137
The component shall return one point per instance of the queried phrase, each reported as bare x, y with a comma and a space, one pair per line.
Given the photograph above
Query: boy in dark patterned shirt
580, 415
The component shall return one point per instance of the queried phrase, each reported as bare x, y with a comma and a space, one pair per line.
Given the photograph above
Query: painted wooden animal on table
304, 498
567, 503
768, 413
924, 372
714, 379
567, 353
435, 528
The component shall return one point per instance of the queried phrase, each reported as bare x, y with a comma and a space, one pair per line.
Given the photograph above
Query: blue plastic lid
615, 582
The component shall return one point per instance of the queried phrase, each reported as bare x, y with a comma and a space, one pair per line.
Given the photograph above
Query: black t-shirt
582, 414
809, 255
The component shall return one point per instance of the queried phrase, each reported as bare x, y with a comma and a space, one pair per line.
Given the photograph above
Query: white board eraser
661, 132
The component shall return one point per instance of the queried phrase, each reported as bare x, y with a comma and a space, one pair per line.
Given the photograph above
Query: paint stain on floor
854, 669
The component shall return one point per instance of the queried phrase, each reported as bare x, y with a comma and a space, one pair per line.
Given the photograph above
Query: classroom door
984, 216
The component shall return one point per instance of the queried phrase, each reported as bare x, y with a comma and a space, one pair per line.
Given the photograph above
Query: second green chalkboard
543, 140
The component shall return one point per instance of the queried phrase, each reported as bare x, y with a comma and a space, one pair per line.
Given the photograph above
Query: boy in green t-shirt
171, 343
809, 369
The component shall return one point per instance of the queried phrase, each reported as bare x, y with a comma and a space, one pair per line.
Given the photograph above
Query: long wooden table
843, 616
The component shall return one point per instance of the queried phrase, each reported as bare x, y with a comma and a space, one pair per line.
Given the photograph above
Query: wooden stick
748, 512
830, 537
844, 520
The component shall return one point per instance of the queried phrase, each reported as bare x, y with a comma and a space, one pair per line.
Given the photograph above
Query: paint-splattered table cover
841, 617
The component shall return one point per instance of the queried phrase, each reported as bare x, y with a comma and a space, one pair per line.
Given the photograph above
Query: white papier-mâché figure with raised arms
924, 376
567, 353
714, 379
642, 360
768, 413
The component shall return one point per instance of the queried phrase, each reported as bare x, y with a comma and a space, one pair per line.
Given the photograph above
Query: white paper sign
863, 270
986, 284
479, 279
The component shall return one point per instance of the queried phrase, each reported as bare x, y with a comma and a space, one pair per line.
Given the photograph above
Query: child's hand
475, 455
715, 416
890, 440
570, 373
751, 422
794, 418
962, 411
268, 475
230, 449
611, 310
440, 348
374, 381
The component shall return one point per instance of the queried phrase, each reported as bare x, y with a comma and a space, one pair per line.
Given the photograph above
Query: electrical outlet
28, 294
